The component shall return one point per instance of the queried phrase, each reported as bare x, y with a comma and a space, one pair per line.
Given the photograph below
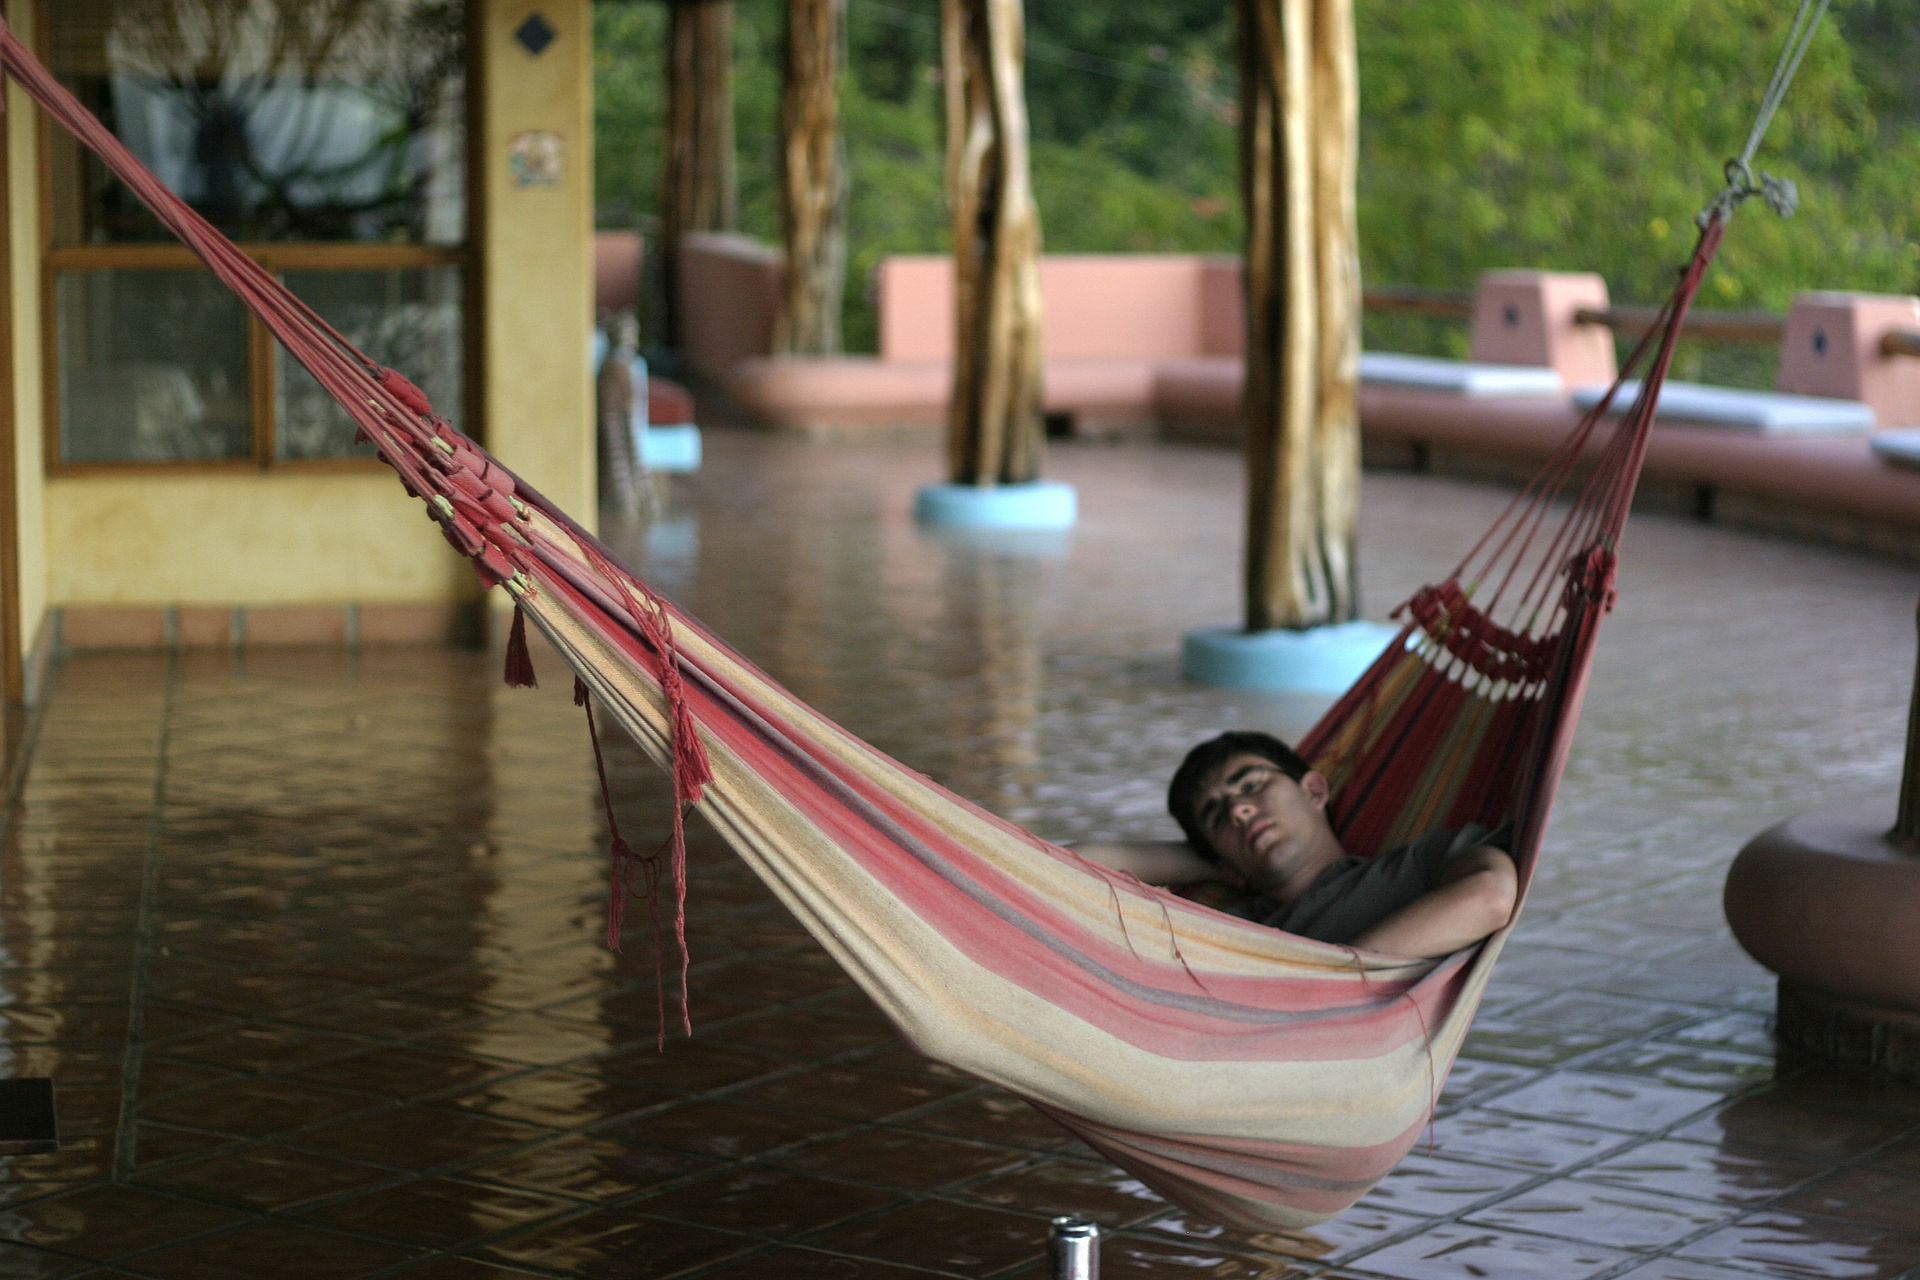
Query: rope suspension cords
1781, 195
1260, 1079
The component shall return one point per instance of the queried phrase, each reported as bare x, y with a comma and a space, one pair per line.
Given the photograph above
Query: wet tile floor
311, 941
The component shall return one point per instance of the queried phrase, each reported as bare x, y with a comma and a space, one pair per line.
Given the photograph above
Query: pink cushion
1200, 387
825, 392
1097, 384
668, 403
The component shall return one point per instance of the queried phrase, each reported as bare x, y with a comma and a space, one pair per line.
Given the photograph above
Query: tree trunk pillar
1299, 130
813, 185
697, 186
994, 426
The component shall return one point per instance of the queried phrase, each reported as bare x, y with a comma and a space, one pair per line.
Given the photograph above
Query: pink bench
1836, 487
1522, 322
1144, 344
616, 271
1111, 323
1152, 343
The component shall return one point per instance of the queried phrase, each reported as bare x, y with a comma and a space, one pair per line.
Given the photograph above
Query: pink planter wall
1094, 307
730, 291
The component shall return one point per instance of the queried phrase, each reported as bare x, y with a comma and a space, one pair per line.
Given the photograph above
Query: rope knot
1782, 195
1592, 576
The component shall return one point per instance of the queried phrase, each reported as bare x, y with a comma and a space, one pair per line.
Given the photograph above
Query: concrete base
1828, 902
674, 449
1326, 659
1042, 504
1816, 1026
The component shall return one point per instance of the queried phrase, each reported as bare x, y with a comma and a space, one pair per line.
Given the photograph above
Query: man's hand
1475, 897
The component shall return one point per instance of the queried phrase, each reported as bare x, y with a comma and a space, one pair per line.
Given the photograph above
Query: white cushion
1460, 377
1767, 412
673, 448
1900, 446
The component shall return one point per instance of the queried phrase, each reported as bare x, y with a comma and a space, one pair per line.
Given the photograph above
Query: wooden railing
1712, 326
1762, 328
1900, 342
1452, 303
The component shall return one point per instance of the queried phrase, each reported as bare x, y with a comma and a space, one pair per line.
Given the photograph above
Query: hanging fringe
519, 661
620, 866
622, 863
690, 768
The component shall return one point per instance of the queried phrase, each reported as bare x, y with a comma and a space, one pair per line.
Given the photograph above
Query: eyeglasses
1246, 782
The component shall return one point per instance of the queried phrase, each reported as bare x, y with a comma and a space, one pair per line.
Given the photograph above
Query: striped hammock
1259, 1079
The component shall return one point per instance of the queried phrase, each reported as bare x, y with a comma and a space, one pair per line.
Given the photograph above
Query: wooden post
994, 432
1906, 823
813, 184
1299, 127
697, 189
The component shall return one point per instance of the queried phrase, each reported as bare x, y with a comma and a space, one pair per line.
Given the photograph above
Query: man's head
1203, 766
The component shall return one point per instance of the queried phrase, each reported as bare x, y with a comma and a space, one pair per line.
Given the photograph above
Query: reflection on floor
310, 941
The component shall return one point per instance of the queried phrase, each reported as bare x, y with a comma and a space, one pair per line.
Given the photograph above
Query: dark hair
1205, 759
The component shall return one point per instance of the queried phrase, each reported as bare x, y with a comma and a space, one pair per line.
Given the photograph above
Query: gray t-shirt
1354, 894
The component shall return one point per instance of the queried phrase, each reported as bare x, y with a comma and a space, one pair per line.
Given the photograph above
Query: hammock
1261, 1079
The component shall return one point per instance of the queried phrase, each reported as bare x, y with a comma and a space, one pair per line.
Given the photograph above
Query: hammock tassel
621, 857
519, 662
623, 860
619, 888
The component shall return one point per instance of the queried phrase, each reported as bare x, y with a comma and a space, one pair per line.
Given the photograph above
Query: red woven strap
1444, 613
1590, 577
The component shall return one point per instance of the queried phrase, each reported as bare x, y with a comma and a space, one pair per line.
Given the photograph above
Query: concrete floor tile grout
127, 1131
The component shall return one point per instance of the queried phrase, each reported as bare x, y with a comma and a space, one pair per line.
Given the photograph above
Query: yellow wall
246, 539
537, 243
287, 537
23, 220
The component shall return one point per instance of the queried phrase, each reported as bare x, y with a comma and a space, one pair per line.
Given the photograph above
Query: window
409, 320
328, 138
153, 367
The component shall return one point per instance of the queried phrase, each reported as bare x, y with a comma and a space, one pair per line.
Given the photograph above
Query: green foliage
1544, 133
1571, 134
896, 150
1133, 143
629, 111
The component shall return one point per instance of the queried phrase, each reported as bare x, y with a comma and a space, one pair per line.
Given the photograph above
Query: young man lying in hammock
1255, 816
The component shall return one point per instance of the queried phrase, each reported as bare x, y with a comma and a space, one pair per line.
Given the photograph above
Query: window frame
57, 260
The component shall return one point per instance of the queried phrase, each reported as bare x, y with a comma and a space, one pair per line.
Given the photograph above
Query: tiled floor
310, 942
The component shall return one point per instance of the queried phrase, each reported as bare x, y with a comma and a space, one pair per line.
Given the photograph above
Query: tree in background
813, 181
994, 433
1160, 86
697, 184
1565, 134
1298, 121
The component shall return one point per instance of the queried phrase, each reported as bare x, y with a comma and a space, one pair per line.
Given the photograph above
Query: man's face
1261, 822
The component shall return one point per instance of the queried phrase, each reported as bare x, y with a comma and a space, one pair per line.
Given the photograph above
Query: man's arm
1475, 896
1161, 862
